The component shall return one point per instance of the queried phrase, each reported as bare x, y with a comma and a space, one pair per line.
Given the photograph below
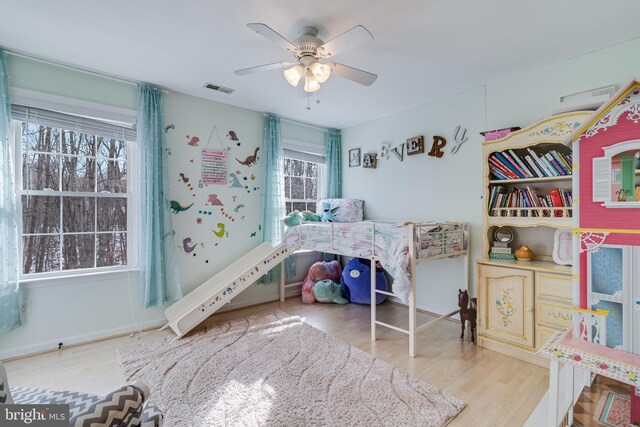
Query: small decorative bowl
523, 253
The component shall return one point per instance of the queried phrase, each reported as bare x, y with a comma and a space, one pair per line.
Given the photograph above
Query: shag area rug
276, 370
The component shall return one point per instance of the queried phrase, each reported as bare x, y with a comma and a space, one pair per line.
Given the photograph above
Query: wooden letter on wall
415, 145
437, 146
369, 161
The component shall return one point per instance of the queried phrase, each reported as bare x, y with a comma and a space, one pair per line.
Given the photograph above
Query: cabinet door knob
529, 309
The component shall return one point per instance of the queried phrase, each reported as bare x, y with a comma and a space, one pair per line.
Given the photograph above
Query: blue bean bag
355, 282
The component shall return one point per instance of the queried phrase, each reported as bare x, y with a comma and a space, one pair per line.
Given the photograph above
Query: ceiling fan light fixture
311, 84
320, 71
294, 74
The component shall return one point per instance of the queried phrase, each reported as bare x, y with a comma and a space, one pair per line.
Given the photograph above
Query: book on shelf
522, 165
534, 166
493, 255
554, 163
508, 164
528, 202
502, 159
495, 250
497, 244
502, 168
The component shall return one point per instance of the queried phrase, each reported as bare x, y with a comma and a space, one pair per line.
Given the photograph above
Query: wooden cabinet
506, 296
521, 305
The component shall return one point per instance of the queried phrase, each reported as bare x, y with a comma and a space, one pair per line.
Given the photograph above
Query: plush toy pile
356, 282
319, 271
328, 291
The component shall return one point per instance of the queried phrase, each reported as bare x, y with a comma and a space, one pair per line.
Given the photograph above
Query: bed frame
417, 232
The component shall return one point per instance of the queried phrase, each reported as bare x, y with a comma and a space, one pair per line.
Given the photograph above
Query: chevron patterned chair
122, 407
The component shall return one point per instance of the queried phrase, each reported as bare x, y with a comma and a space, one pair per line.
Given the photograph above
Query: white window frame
72, 106
321, 167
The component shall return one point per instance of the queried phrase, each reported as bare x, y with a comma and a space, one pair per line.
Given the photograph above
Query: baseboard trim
73, 341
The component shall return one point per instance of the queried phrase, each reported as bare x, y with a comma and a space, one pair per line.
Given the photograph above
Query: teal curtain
273, 204
333, 175
9, 260
159, 275
333, 170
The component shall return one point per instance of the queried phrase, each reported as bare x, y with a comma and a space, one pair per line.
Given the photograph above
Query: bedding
388, 240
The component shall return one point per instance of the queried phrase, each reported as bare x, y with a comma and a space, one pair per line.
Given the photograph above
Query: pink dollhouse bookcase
606, 189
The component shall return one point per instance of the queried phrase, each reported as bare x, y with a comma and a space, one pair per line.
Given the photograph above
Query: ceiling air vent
219, 88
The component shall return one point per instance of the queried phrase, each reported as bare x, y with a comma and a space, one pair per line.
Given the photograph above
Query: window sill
73, 279
621, 204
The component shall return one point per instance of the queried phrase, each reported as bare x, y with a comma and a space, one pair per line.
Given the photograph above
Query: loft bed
388, 243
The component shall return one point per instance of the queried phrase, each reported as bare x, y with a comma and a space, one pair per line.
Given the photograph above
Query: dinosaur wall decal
177, 207
250, 160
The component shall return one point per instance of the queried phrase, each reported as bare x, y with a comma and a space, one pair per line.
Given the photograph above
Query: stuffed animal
327, 212
327, 291
356, 282
318, 271
310, 216
294, 218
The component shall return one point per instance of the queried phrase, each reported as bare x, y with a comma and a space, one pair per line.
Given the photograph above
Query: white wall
450, 188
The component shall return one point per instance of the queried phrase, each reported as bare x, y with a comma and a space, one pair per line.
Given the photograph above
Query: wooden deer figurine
467, 312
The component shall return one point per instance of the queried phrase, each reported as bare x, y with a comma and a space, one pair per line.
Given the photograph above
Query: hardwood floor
498, 390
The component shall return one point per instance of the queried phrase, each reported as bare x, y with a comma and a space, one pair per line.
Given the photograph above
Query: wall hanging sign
214, 166
214, 162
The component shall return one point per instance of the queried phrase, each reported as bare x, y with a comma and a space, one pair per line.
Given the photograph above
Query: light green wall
67, 312
450, 188
43, 77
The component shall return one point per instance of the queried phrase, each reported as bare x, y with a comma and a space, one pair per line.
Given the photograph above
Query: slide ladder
206, 299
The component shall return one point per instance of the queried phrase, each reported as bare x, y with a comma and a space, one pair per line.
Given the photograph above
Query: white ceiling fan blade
267, 67
359, 76
268, 32
345, 41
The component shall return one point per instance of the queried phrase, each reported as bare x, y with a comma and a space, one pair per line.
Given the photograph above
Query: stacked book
527, 202
500, 250
529, 164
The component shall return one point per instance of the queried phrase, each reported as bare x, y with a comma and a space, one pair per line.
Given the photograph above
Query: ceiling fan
309, 52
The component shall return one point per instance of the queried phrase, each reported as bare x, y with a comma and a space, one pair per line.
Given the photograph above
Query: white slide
213, 294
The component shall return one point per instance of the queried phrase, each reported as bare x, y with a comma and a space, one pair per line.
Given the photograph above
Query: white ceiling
422, 49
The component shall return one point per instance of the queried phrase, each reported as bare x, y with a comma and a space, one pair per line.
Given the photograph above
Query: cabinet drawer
554, 286
543, 334
552, 314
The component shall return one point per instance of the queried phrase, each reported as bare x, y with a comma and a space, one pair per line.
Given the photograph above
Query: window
74, 182
302, 180
616, 175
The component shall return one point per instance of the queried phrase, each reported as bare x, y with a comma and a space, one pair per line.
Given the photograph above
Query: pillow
349, 210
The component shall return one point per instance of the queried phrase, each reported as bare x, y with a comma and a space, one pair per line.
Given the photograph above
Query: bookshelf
527, 188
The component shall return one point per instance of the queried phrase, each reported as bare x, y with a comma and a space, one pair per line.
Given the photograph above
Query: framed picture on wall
354, 157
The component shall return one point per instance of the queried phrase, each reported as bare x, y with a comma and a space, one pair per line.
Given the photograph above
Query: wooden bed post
412, 293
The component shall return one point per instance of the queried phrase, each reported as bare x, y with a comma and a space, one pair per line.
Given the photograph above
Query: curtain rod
78, 69
282, 119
